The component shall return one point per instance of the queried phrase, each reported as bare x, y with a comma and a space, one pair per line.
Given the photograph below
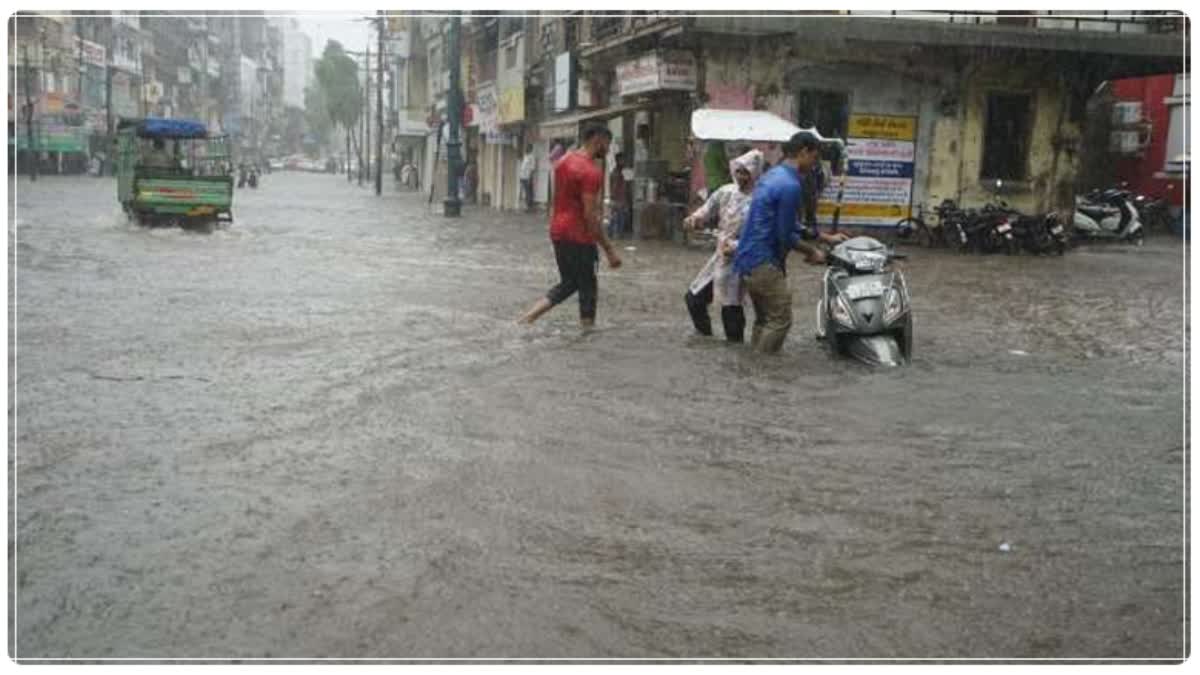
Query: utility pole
142, 78
379, 112
31, 142
453, 207
361, 128
108, 111
367, 107
82, 71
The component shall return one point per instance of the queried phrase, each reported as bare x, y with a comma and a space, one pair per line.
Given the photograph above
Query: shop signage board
487, 108
91, 52
657, 71
512, 96
563, 74
53, 136
881, 151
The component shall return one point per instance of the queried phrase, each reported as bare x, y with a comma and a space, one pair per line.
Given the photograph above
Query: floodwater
319, 434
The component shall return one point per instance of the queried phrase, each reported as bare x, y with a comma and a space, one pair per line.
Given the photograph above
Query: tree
337, 77
316, 115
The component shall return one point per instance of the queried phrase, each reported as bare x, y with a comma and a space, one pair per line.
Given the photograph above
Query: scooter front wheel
875, 350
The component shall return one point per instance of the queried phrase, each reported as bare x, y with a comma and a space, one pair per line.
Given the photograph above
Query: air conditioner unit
1126, 113
1124, 142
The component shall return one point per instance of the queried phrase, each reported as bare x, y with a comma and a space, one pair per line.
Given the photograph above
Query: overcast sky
330, 26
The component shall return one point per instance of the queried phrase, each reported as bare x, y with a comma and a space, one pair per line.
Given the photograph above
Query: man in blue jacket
770, 232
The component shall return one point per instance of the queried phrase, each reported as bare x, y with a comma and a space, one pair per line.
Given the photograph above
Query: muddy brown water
318, 433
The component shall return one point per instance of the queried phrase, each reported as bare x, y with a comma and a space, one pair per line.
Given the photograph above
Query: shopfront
659, 87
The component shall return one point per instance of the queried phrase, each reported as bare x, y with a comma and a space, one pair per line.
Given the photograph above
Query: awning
568, 127
741, 125
755, 126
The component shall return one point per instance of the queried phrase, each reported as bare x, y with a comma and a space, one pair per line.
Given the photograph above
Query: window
1006, 136
828, 111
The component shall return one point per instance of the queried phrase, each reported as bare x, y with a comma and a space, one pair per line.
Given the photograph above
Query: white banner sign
92, 52
562, 82
655, 72
487, 108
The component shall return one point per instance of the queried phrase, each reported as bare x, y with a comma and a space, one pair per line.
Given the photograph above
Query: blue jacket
771, 229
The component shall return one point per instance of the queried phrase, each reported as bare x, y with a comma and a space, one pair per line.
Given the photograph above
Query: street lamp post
379, 113
108, 111
453, 207
30, 139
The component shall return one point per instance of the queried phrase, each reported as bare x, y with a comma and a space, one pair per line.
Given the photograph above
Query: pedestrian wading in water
772, 229
727, 205
576, 227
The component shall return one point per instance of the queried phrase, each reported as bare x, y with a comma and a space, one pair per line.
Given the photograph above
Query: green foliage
337, 78
316, 114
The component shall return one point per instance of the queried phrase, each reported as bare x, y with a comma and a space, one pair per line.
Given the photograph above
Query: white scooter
1107, 216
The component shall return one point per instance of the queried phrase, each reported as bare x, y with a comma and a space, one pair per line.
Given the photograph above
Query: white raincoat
728, 205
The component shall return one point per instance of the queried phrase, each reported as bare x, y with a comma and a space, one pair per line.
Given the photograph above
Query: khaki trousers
772, 299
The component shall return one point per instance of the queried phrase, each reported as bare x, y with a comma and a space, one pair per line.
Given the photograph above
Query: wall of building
958, 141
886, 81
1144, 171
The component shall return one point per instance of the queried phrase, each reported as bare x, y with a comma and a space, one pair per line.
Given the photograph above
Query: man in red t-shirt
575, 227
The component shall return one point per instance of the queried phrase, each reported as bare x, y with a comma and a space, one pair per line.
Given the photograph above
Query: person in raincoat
727, 206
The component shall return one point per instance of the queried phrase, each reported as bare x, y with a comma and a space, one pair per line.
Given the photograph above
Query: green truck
172, 172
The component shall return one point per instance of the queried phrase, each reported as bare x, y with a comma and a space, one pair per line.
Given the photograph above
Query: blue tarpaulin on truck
161, 127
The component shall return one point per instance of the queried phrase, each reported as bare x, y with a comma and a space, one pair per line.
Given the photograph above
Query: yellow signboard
887, 127
889, 213
512, 104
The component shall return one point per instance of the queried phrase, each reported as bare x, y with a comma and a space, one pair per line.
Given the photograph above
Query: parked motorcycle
1154, 213
1107, 216
1040, 234
864, 310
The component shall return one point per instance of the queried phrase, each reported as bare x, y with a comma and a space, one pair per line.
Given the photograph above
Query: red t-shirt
574, 176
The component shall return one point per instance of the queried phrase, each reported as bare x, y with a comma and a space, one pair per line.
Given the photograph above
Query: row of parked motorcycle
1114, 214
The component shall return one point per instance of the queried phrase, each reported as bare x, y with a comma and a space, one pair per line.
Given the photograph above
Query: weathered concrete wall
1047, 176
948, 96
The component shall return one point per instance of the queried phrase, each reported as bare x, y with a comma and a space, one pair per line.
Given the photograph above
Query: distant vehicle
171, 172
275, 164
1108, 215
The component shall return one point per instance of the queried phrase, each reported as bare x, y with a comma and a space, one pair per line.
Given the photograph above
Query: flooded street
319, 433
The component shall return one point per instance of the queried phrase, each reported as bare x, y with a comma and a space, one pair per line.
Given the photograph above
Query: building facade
78, 73
934, 105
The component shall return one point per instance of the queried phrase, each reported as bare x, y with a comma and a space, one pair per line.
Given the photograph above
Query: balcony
1107, 21
1124, 34
604, 32
605, 27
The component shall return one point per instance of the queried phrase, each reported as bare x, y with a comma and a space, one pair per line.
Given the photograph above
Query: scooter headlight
893, 305
841, 311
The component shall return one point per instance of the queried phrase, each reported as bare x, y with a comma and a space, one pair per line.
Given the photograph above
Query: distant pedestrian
527, 172
716, 167
557, 152
576, 229
618, 195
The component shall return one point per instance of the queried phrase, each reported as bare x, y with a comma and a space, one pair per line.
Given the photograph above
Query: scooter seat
1097, 213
